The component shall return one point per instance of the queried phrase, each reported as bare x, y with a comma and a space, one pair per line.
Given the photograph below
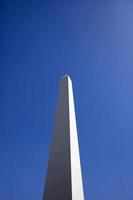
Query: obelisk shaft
63, 180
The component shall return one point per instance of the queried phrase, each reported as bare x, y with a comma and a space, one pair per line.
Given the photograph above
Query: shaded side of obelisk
64, 180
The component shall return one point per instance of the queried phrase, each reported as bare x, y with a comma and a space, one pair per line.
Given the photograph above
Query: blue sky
92, 41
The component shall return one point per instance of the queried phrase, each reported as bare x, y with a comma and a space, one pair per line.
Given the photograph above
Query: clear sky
92, 41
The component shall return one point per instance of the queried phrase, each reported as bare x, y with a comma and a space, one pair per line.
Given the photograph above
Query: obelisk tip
66, 76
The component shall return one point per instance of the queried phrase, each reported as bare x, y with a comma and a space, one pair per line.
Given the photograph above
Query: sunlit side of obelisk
64, 178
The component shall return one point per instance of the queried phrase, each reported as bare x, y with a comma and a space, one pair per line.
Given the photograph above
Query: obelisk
64, 178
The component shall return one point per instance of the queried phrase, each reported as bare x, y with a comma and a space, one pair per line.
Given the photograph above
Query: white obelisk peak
64, 179
66, 75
